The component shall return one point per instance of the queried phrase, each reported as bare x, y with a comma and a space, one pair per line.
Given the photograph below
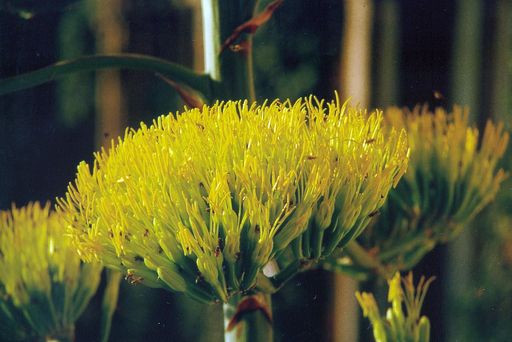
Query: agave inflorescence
397, 325
365, 165
43, 285
451, 177
200, 202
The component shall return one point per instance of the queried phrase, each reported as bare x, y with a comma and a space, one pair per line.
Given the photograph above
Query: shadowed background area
433, 52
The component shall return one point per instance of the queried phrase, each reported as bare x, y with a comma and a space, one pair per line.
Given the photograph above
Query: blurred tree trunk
466, 88
387, 59
501, 62
466, 54
354, 82
111, 36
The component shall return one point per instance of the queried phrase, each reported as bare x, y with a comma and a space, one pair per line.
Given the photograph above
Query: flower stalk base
248, 319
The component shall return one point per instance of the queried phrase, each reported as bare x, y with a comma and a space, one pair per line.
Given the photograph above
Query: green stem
233, 68
66, 334
245, 319
202, 83
352, 271
236, 65
291, 271
362, 258
404, 245
109, 303
265, 284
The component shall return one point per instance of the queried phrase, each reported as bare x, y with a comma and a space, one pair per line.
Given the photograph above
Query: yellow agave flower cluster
397, 325
43, 285
200, 202
452, 175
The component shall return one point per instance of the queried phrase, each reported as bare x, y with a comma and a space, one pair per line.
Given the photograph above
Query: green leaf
199, 82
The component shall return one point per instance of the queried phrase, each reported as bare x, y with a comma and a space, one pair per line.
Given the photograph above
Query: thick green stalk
247, 319
231, 66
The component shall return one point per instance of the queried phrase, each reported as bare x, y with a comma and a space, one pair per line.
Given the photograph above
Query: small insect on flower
133, 279
220, 247
374, 213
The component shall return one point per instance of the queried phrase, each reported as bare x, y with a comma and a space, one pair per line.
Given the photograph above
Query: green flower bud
424, 330
399, 324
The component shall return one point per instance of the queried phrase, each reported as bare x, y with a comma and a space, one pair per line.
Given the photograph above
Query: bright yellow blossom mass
199, 202
43, 285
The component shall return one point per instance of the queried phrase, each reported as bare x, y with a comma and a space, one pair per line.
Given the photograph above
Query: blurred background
379, 52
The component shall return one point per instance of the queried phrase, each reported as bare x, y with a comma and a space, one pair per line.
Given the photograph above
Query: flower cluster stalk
248, 319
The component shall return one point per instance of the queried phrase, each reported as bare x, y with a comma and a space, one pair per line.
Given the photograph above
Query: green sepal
171, 277
424, 329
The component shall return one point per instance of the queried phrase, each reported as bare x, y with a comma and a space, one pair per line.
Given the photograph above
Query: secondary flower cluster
43, 285
200, 202
397, 325
452, 175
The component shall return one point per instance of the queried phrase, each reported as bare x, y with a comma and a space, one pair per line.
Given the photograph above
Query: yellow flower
365, 164
371, 310
43, 285
452, 175
201, 201
399, 325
